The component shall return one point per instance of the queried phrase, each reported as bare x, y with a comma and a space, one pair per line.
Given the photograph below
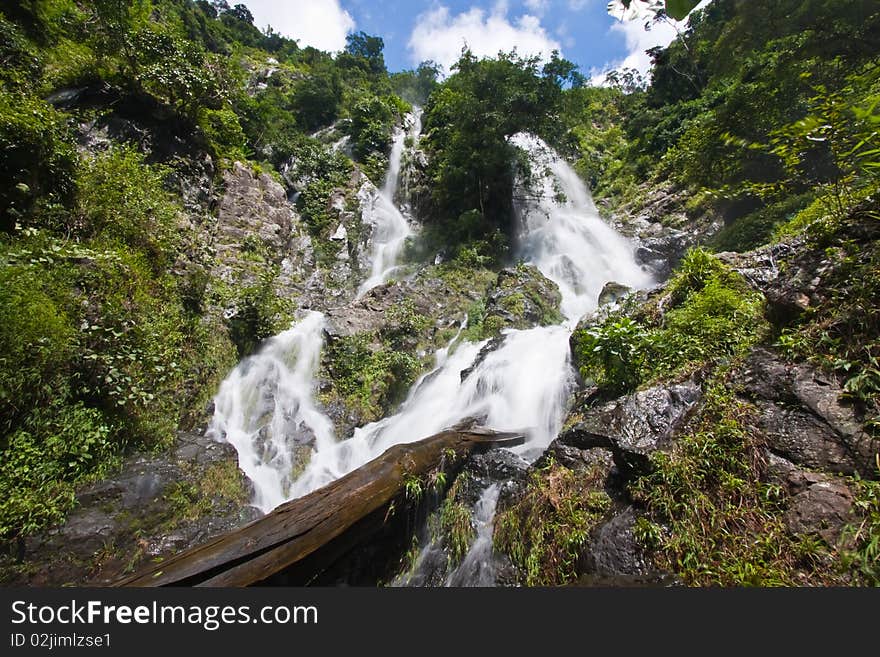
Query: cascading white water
563, 235
477, 568
266, 410
391, 227
523, 384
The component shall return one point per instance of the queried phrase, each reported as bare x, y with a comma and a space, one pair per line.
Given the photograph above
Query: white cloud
638, 40
564, 34
537, 7
440, 36
322, 24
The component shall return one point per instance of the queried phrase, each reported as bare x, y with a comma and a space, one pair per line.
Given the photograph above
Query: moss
515, 304
225, 482
546, 531
367, 375
221, 483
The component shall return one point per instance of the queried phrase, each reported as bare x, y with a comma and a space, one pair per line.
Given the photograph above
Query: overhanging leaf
679, 9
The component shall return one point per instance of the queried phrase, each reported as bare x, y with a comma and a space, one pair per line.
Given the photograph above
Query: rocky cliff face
660, 220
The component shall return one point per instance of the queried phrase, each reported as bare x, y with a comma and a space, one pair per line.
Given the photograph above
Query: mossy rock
521, 298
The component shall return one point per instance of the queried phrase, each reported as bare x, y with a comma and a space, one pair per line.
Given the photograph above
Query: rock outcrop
156, 504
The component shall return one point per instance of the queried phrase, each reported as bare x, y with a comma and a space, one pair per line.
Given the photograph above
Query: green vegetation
468, 120
111, 335
115, 324
842, 335
98, 350
412, 488
864, 536
709, 313
710, 519
221, 483
546, 531
369, 379
457, 529
697, 123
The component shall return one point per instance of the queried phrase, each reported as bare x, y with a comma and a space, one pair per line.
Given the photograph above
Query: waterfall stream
524, 384
391, 226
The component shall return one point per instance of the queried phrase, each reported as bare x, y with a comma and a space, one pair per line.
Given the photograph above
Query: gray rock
612, 293
613, 548
803, 418
823, 509
122, 520
579, 460
636, 425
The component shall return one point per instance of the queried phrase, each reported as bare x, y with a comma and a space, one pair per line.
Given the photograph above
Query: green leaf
679, 9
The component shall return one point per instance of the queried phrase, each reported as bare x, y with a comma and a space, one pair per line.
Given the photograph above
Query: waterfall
477, 568
390, 226
266, 409
562, 234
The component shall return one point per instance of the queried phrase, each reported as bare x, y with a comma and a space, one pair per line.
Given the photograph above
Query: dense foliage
708, 313
757, 108
108, 340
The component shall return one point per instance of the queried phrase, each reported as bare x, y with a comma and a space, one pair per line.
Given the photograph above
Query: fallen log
298, 531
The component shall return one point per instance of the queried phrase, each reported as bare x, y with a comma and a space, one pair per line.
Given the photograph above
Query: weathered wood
305, 525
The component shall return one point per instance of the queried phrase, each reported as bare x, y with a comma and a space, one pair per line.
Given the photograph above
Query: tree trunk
325, 524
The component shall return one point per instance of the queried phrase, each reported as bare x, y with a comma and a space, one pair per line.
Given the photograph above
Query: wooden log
302, 527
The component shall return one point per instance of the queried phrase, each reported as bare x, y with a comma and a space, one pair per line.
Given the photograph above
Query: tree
367, 48
469, 120
242, 13
415, 86
317, 98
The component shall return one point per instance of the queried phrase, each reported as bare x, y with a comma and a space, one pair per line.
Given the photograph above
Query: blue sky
415, 30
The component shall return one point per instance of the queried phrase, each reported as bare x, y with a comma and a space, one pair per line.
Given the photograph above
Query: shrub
57, 448
260, 314
121, 200
612, 354
713, 315
37, 159
368, 375
37, 343
175, 72
225, 136
546, 531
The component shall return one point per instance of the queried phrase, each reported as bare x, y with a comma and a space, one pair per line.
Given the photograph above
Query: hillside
234, 269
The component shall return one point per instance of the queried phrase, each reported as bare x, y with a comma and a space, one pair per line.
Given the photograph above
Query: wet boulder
155, 504
614, 550
612, 293
636, 425
803, 417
